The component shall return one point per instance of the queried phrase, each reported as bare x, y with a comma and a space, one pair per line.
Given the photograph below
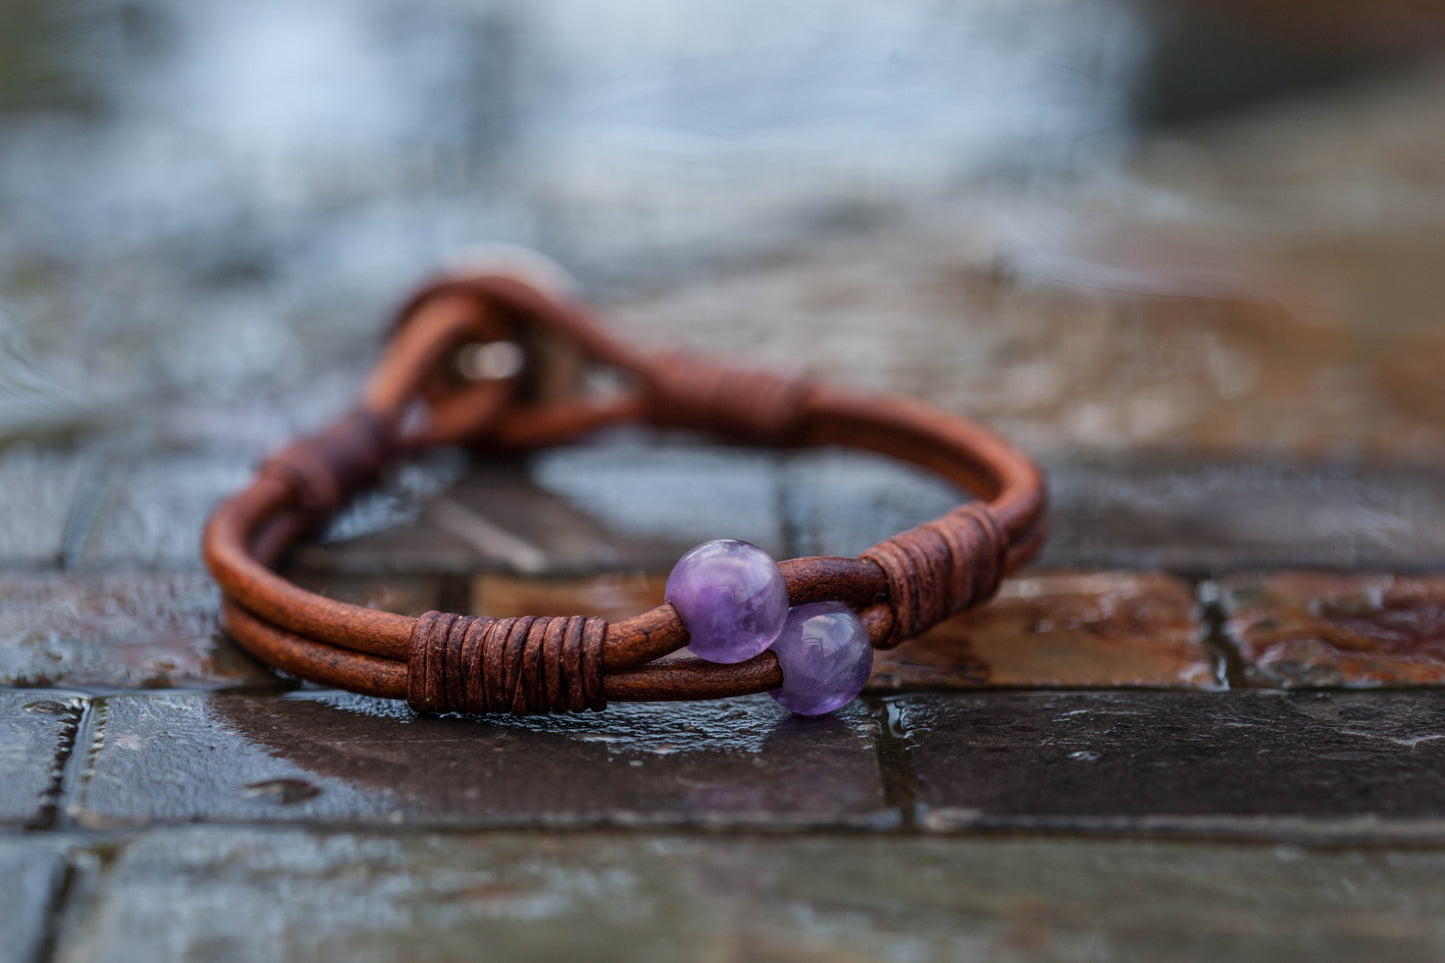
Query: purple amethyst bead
825, 655
731, 597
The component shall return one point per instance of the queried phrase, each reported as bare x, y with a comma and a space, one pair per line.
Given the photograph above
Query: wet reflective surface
343, 759
1187, 257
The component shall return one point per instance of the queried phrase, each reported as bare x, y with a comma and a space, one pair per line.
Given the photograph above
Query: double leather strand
444, 662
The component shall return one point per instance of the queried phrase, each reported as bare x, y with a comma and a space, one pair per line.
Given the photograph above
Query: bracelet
498, 363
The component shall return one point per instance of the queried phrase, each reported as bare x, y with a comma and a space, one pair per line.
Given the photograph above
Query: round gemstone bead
825, 656
731, 597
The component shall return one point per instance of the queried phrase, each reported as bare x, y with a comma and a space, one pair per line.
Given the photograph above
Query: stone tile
567, 512
1105, 629
1057, 630
403, 594
609, 596
153, 509
342, 758
840, 502
1299, 629
1196, 514
678, 494
1143, 511
40, 485
37, 729
148, 630
31, 874
190, 894
1249, 764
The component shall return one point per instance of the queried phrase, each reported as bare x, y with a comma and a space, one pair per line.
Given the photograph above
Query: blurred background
1189, 255
1099, 225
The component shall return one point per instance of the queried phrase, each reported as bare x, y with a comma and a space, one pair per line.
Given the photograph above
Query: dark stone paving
1219, 395
679, 493
348, 759
503, 516
151, 510
37, 729
253, 895
1193, 514
41, 485
121, 631
31, 874
1250, 764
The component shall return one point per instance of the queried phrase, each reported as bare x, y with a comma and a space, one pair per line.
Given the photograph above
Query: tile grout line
89, 737
54, 798
1214, 622
56, 909
84, 510
895, 765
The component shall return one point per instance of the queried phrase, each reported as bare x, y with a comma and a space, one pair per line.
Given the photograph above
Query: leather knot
324, 470
940, 568
757, 406
461, 663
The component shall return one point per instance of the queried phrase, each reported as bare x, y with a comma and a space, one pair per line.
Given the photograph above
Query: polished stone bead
731, 597
825, 655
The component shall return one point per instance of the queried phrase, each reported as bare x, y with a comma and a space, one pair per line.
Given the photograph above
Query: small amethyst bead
825, 656
731, 597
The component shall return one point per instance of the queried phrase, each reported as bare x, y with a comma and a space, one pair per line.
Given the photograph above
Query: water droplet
49, 708
283, 791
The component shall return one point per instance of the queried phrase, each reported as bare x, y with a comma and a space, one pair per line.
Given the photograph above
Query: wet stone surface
1301, 629
348, 759
30, 881
41, 484
682, 494
612, 507
156, 630
1194, 514
37, 731
1148, 511
608, 596
404, 594
187, 894
1065, 630
841, 502
1248, 764
151, 510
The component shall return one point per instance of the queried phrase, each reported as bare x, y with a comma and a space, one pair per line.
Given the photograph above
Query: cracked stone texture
187, 894
149, 630
1061, 629
1302, 629
339, 758
1338, 765
30, 880
36, 729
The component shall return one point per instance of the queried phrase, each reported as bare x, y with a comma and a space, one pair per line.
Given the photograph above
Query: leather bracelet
497, 363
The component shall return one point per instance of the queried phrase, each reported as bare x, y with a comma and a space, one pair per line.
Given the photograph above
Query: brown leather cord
756, 406
455, 663
520, 665
940, 568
